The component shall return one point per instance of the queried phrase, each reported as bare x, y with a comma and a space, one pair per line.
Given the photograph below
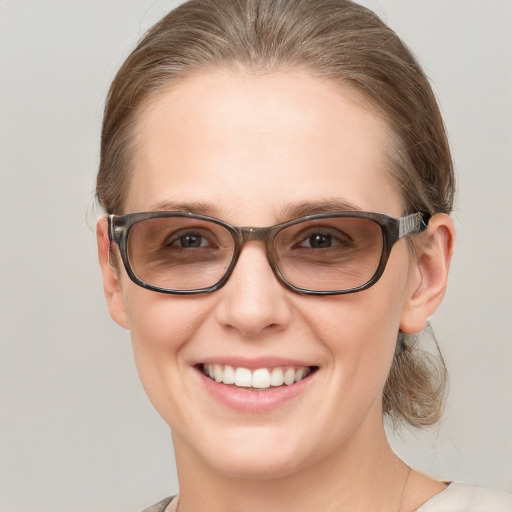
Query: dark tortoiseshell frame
392, 230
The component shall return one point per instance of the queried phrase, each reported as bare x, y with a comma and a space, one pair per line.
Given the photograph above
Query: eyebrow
179, 206
295, 210
288, 212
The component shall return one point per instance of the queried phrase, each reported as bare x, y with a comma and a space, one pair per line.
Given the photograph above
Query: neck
362, 475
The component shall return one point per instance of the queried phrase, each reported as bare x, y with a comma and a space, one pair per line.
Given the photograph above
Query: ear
429, 273
111, 284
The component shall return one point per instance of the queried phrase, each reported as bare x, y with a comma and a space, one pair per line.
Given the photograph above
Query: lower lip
251, 400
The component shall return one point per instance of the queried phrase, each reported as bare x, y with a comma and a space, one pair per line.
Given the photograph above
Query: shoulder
460, 497
160, 506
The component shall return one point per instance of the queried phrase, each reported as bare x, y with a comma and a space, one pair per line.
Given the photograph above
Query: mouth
257, 379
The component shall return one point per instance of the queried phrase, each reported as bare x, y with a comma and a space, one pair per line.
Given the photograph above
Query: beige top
457, 497
460, 497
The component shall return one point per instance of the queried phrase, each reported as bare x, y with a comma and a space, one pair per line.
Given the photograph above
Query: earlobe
429, 274
111, 285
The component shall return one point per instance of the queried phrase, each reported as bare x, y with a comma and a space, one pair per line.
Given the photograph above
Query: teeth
229, 375
289, 376
261, 378
277, 377
243, 378
218, 373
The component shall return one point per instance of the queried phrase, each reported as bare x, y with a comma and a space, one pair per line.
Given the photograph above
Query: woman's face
251, 151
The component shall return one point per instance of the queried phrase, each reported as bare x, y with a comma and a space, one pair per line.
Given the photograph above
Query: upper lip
255, 362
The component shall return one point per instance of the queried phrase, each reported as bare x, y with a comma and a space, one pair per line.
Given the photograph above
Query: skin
248, 149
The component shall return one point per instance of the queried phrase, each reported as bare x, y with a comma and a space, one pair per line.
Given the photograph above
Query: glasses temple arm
414, 223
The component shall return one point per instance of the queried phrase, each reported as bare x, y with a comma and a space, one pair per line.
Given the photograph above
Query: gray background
76, 431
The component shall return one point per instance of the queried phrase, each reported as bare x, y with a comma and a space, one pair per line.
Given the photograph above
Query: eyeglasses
323, 254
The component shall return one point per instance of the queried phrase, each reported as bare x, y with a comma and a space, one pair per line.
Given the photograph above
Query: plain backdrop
76, 430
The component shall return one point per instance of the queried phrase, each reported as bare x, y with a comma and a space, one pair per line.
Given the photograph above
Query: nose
253, 301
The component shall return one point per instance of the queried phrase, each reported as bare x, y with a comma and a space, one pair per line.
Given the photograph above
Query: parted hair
338, 40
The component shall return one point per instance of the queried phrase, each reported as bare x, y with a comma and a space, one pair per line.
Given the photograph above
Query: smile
258, 378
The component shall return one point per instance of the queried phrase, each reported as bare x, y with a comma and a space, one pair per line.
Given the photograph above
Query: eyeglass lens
329, 254
179, 253
182, 253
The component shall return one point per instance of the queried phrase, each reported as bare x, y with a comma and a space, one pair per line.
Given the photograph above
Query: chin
260, 466
255, 453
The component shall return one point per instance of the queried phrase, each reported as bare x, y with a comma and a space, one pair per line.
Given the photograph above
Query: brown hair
336, 39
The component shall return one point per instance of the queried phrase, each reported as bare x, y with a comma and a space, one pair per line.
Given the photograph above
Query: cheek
160, 327
162, 322
366, 321
360, 334
360, 330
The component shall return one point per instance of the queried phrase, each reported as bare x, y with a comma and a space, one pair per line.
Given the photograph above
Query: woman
273, 351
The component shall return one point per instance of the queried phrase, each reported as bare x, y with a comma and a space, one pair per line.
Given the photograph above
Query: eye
189, 240
319, 241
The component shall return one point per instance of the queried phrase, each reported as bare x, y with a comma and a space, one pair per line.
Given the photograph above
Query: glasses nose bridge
260, 234
264, 235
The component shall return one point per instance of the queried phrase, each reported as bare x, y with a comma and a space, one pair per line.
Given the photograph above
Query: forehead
247, 147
